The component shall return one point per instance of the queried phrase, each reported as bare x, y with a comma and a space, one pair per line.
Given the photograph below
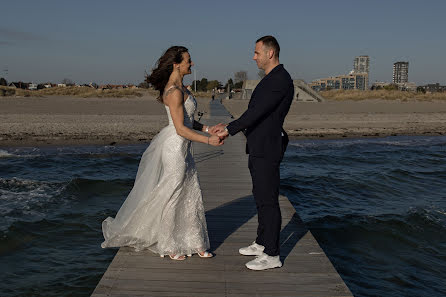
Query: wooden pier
232, 223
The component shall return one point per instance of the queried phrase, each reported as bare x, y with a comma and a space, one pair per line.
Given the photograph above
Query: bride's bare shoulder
173, 95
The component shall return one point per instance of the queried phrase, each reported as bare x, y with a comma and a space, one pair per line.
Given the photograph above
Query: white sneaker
253, 250
264, 262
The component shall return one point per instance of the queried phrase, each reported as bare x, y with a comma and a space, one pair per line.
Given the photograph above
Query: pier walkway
232, 223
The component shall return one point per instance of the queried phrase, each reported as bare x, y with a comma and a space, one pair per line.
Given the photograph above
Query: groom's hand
214, 130
223, 134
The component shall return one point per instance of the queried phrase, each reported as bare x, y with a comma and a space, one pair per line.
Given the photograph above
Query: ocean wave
416, 219
4, 154
27, 198
95, 185
20, 153
21, 191
93, 152
385, 249
399, 141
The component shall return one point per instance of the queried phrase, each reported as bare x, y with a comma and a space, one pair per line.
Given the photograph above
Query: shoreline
72, 121
53, 142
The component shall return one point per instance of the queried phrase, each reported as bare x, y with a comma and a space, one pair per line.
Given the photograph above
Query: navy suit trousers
265, 174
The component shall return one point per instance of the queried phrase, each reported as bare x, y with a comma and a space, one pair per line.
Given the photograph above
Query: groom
266, 144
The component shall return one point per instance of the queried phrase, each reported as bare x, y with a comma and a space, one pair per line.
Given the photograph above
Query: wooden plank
232, 223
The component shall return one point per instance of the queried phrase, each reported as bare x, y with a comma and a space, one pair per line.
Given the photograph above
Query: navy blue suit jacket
263, 120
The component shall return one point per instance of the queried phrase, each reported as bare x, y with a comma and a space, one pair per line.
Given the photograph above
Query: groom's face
260, 55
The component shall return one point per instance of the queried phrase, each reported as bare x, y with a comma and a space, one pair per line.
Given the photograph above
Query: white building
400, 72
361, 64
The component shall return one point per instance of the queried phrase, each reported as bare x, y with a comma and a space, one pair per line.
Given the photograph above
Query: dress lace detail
164, 211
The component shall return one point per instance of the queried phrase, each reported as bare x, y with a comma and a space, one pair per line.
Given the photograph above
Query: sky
117, 41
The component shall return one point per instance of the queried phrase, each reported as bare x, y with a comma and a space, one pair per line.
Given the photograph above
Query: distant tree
230, 83
213, 84
3, 82
240, 76
144, 85
421, 90
40, 86
238, 85
391, 87
203, 84
261, 73
67, 82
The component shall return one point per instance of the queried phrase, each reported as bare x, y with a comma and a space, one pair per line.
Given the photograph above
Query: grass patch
380, 94
84, 92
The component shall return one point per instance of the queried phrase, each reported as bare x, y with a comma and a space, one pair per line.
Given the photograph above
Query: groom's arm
265, 103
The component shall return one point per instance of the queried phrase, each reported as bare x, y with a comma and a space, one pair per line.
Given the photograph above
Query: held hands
215, 140
219, 130
214, 130
223, 134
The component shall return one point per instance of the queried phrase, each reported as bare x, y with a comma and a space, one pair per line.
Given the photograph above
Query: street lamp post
5, 70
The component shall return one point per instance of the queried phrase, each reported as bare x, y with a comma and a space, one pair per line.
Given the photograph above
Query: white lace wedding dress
164, 211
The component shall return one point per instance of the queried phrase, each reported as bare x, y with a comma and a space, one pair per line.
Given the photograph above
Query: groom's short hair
270, 42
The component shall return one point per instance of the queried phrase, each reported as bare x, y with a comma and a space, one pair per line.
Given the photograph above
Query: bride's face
186, 64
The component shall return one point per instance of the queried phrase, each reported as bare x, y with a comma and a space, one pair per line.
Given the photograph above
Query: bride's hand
215, 140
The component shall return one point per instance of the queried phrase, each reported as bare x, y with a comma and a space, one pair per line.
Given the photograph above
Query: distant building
407, 86
19, 85
361, 64
400, 72
32, 86
353, 81
377, 85
433, 88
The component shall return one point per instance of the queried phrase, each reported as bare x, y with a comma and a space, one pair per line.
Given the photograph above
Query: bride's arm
175, 102
199, 126
212, 130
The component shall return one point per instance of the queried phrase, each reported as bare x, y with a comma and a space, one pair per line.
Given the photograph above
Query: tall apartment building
400, 72
361, 64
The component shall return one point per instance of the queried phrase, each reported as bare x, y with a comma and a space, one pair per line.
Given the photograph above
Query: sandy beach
63, 120
365, 118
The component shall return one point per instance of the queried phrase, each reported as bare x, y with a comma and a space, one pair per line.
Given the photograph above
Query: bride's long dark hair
164, 67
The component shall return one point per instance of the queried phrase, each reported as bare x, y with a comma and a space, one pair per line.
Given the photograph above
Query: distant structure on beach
433, 88
400, 80
400, 72
361, 64
302, 91
357, 79
352, 81
407, 86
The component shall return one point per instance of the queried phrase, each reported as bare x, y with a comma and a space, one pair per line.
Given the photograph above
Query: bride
164, 211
